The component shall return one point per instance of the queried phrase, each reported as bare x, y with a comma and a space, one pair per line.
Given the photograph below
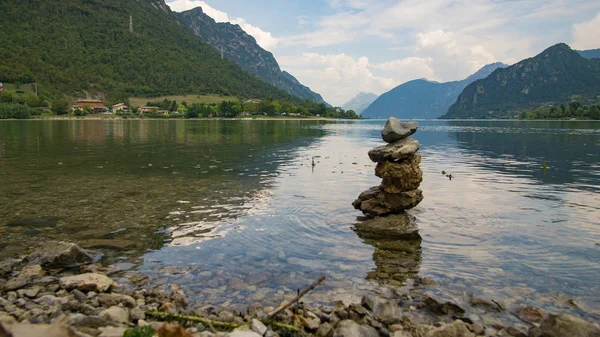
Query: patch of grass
189, 99
19, 90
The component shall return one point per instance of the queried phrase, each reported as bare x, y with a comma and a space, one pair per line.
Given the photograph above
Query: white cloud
586, 35
337, 77
409, 68
263, 38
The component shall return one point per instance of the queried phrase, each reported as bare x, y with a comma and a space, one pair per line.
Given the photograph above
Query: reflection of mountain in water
111, 184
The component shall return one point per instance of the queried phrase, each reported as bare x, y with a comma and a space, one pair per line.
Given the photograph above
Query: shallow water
234, 212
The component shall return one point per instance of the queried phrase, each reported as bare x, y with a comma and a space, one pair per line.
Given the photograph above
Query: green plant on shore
140, 331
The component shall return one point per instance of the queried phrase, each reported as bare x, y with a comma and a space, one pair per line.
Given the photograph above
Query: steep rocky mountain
590, 54
360, 102
422, 98
555, 76
242, 49
114, 49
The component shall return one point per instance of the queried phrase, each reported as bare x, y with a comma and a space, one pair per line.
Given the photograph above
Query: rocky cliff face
241, 48
556, 75
423, 98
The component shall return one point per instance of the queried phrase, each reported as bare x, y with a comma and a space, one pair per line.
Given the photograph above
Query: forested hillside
81, 48
242, 49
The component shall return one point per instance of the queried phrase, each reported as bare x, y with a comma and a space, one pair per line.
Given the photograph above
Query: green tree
33, 100
60, 106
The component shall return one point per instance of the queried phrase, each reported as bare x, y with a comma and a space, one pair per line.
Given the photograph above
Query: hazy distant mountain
360, 102
423, 98
555, 76
241, 48
590, 54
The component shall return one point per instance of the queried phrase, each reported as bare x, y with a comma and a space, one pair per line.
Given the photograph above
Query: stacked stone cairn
398, 167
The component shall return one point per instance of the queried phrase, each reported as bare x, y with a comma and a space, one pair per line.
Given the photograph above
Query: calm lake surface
234, 212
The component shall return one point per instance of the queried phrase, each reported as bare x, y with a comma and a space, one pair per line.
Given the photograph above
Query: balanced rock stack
398, 166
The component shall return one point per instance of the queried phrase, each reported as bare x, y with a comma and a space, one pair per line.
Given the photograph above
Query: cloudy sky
342, 47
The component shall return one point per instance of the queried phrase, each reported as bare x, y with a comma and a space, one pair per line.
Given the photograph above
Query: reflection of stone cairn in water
388, 228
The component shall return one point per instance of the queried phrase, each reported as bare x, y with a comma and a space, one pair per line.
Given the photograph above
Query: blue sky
342, 47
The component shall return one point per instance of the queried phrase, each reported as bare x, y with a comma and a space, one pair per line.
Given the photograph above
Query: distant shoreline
114, 118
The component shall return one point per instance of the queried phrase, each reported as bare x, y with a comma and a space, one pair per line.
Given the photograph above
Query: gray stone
111, 331
7, 266
258, 327
386, 310
310, 323
348, 328
86, 282
115, 314
110, 300
400, 177
455, 329
29, 293
368, 301
393, 227
399, 150
324, 330
441, 306
137, 314
395, 130
240, 332
61, 254
565, 325
80, 296
376, 202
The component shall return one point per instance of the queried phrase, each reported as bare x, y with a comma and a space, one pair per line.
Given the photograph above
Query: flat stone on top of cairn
398, 166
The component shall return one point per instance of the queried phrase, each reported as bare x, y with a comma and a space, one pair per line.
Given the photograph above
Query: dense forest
88, 49
229, 109
573, 110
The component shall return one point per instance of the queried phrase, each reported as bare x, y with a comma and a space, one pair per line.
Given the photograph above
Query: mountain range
242, 49
360, 102
590, 54
422, 98
555, 76
114, 49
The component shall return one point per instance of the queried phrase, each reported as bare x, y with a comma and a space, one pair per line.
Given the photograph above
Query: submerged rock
49, 221
441, 306
565, 325
61, 254
395, 130
399, 150
394, 226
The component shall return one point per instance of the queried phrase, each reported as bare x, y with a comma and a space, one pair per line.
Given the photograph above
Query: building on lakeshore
94, 104
147, 109
121, 107
253, 100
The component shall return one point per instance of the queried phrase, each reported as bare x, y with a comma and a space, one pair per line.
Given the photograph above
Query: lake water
234, 212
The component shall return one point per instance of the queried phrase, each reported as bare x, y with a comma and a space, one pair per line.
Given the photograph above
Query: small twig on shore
212, 328
163, 316
183, 319
297, 298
